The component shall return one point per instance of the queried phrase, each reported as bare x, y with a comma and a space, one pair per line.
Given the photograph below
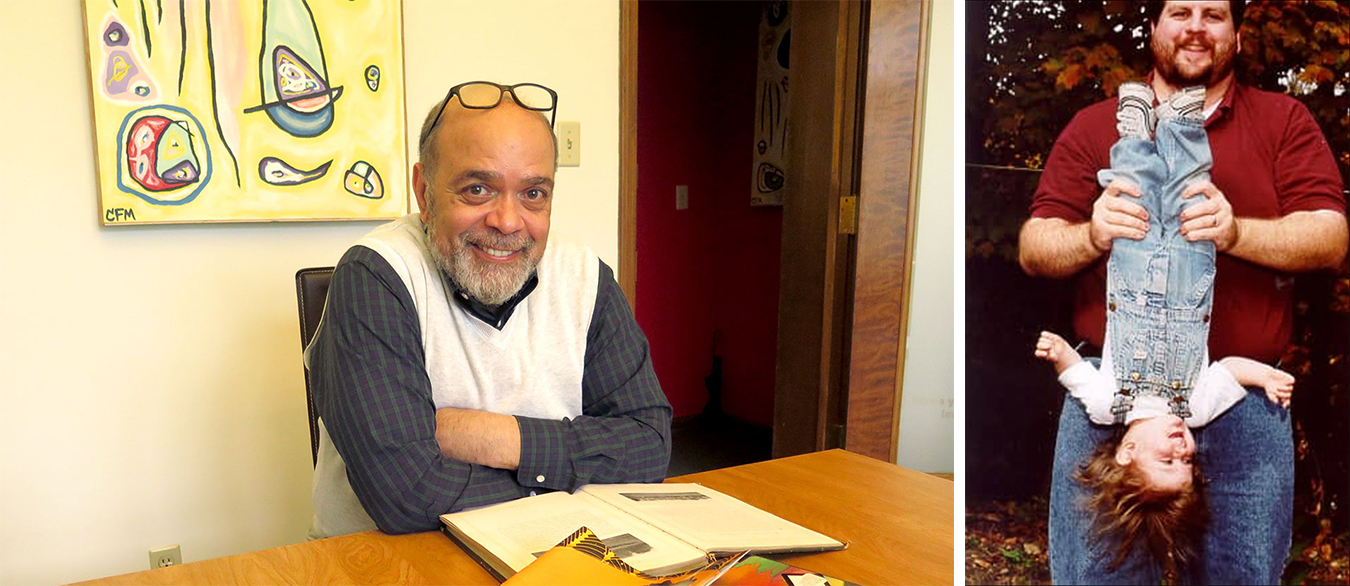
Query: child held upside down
1155, 379
1145, 478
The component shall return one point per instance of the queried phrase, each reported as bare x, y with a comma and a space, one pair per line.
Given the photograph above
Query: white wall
150, 383
927, 409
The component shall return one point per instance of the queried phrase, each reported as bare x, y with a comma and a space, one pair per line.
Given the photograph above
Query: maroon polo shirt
1270, 159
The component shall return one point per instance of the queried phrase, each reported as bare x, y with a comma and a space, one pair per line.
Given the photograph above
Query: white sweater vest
531, 367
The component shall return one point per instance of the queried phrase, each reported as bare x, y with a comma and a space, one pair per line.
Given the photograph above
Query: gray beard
487, 284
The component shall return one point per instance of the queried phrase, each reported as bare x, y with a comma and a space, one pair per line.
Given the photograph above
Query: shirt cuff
542, 446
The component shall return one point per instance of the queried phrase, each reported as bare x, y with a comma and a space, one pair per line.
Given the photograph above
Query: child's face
1161, 448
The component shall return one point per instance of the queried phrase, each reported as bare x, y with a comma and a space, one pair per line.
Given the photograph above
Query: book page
519, 531
709, 519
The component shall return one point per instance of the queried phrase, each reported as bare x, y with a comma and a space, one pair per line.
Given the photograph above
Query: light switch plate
681, 197
569, 144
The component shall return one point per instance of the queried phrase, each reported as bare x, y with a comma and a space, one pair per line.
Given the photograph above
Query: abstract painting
247, 110
771, 105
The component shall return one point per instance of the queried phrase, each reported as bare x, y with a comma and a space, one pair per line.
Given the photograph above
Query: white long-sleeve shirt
1215, 391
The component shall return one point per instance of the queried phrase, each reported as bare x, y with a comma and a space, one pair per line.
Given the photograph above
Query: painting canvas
771, 105
247, 110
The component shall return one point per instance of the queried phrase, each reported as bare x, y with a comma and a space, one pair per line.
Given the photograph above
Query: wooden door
856, 88
856, 81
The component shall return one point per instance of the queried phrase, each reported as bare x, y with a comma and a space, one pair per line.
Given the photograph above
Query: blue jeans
1159, 289
1247, 456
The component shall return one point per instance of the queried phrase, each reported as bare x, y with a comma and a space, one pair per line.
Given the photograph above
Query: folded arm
373, 393
623, 434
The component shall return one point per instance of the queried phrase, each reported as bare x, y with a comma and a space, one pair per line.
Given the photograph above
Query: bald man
463, 358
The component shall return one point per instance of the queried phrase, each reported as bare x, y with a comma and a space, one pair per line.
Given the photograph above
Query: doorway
706, 282
837, 355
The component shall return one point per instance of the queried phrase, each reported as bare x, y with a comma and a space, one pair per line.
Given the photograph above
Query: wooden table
898, 523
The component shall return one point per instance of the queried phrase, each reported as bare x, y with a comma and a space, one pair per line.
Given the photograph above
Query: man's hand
1114, 216
1055, 248
479, 437
1211, 219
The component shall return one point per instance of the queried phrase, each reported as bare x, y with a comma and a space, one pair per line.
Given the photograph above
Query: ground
1006, 544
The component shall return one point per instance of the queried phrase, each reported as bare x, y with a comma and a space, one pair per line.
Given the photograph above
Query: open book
656, 528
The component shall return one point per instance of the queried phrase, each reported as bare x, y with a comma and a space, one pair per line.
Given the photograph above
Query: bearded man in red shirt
1275, 207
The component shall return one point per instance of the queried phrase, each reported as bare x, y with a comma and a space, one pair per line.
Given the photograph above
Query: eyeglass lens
487, 95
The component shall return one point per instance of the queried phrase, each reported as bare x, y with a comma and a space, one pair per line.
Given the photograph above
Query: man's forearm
479, 437
633, 447
1300, 241
1053, 247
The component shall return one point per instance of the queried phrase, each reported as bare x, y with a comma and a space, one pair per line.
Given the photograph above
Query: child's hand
1052, 348
1279, 387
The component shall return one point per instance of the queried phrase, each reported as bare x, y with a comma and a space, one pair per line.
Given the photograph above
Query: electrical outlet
163, 557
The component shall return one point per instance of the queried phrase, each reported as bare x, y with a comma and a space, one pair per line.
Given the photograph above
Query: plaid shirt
373, 393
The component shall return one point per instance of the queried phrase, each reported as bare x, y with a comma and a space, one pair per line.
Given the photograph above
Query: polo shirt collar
495, 316
1224, 105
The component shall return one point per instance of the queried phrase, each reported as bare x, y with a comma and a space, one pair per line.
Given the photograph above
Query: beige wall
927, 412
150, 383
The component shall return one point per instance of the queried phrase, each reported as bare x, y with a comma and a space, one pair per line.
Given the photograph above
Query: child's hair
1127, 509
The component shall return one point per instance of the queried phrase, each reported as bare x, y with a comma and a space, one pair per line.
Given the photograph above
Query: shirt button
539, 478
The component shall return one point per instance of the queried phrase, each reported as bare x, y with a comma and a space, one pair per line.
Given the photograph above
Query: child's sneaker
1134, 110
1186, 103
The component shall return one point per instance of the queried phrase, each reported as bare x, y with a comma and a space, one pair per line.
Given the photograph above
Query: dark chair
311, 287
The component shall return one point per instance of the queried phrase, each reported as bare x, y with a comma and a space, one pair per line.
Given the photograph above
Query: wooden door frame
840, 356
628, 169
810, 394
889, 178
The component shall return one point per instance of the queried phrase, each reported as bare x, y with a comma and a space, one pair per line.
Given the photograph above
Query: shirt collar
1225, 104
495, 316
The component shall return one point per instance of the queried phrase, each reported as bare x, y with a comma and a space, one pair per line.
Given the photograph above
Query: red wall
713, 266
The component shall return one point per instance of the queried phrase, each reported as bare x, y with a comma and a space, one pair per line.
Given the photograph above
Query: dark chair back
311, 287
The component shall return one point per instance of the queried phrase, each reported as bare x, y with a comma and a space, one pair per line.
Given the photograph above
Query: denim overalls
1159, 290
1247, 454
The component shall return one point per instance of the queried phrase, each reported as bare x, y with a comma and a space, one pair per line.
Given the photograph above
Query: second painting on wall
247, 110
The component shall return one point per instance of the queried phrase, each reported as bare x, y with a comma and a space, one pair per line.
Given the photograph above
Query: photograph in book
710, 520
656, 528
509, 536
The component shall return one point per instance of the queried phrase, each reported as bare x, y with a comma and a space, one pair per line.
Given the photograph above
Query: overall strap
1121, 404
1177, 397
